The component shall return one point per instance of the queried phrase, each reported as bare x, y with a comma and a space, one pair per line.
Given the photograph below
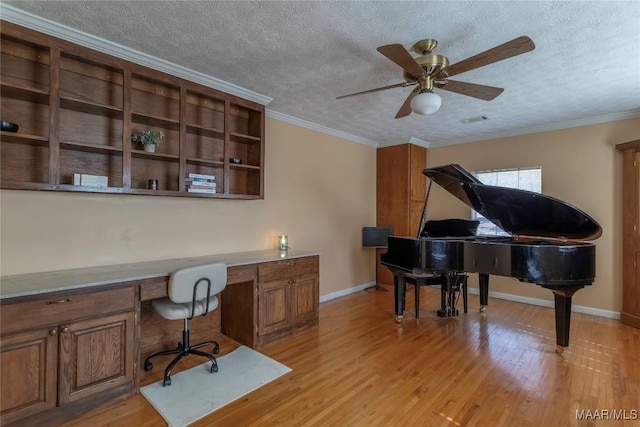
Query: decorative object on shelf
90, 180
235, 160
8, 126
283, 243
153, 184
148, 138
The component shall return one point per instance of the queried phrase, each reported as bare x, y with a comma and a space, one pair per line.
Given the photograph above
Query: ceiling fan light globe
426, 103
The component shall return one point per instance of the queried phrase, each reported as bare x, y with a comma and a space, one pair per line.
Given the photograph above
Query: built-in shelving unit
77, 109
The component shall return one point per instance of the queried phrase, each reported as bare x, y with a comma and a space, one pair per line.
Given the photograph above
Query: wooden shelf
150, 120
204, 162
205, 131
25, 93
239, 137
241, 166
90, 107
77, 117
21, 138
141, 154
90, 148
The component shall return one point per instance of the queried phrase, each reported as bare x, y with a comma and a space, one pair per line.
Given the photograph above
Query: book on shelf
203, 187
201, 176
90, 180
202, 190
199, 181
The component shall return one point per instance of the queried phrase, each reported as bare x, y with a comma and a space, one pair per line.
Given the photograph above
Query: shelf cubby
90, 84
165, 171
90, 128
23, 163
24, 65
155, 100
244, 180
92, 162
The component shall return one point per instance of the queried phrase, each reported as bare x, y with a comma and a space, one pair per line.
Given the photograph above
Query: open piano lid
518, 212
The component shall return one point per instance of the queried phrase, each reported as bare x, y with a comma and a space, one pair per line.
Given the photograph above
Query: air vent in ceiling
474, 119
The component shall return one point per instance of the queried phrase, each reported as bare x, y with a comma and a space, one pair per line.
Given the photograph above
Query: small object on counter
8, 126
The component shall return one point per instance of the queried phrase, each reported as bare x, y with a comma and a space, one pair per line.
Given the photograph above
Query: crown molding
34, 22
613, 117
320, 128
412, 140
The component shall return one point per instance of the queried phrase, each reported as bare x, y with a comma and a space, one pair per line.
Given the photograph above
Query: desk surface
51, 281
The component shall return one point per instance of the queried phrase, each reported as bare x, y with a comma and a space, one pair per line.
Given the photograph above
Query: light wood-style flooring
361, 368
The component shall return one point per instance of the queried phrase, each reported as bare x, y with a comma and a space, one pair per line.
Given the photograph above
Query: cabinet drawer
287, 268
63, 307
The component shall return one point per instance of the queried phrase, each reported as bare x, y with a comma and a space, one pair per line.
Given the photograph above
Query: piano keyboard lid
519, 212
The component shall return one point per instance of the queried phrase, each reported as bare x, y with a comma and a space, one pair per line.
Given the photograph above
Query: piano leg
562, 298
464, 293
399, 286
483, 281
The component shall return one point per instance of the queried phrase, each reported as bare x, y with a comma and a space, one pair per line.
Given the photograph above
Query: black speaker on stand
376, 237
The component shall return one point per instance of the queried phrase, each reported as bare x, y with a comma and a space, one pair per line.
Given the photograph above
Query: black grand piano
544, 247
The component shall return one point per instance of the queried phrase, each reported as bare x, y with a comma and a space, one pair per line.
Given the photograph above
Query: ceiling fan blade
514, 47
398, 54
486, 93
403, 84
405, 110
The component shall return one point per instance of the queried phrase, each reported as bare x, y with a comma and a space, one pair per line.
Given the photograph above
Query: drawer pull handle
60, 301
65, 329
53, 332
291, 281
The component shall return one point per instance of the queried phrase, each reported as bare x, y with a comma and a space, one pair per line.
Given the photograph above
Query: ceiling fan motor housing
432, 65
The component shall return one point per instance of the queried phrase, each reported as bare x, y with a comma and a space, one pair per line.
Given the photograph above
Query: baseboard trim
348, 291
546, 303
508, 297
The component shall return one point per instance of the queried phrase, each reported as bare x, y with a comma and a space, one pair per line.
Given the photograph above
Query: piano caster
483, 308
398, 319
559, 349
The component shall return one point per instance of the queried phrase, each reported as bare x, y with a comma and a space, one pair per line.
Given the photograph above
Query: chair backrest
182, 282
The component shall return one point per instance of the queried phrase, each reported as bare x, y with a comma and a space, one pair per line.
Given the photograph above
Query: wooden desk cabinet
65, 352
281, 298
63, 348
287, 297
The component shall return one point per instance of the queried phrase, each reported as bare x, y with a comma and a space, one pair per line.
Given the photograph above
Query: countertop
52, 281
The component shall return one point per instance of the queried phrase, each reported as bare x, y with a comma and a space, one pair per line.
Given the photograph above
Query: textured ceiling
302, 54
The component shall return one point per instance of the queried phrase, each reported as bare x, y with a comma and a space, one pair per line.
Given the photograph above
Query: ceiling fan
430, 71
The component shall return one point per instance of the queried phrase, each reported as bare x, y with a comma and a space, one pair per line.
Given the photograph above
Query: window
529, 179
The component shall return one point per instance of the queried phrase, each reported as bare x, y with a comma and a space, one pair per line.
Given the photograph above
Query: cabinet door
274, 313
95, 355
305, 300
29, 371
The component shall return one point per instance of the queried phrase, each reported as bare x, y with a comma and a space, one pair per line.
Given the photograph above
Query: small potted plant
148, 138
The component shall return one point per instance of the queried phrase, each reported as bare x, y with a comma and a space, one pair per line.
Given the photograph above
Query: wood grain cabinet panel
95, 355
304, 300
630, 233
273, 307
28, 373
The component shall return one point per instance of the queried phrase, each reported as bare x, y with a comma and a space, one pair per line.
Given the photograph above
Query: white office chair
192, 292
